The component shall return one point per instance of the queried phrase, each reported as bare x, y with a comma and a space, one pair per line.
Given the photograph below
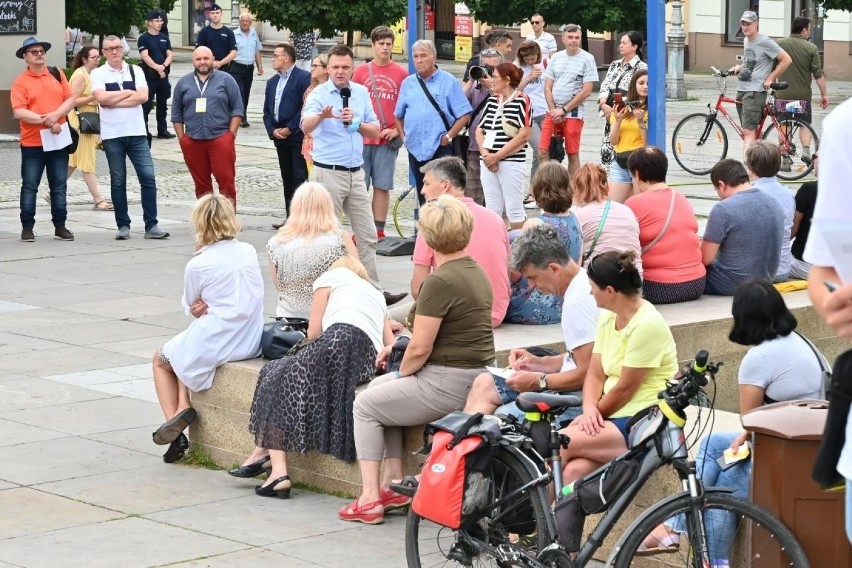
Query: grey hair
538, 247
424, 44
112, 38
448, 168
571, 28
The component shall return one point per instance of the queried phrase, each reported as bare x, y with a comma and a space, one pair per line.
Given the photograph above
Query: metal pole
675, 87
656, 18
235, 14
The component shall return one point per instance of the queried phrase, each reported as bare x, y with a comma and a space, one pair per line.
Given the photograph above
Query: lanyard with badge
201, 102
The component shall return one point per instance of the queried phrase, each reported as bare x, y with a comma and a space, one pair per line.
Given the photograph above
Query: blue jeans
135, 148
720, 526
34, 161
509, 407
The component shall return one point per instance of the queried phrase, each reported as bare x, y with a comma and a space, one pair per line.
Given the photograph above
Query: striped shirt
516, 112
568, 73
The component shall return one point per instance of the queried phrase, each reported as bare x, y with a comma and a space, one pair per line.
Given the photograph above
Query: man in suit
282, 111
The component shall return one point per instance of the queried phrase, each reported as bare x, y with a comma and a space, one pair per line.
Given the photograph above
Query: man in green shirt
806, 64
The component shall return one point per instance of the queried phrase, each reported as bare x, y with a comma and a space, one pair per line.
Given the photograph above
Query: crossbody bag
456, 147
395, 143
665, 228
598, 232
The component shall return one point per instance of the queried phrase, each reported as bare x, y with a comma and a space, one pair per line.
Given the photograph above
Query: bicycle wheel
403, 213
789, 141
517, 527
758, 538
699, 142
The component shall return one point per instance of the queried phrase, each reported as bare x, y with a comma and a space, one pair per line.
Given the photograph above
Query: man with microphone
339, 114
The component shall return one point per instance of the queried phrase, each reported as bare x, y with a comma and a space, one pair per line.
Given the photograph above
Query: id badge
200, 104
490, 139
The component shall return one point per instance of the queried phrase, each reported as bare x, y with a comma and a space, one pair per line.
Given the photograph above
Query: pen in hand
830, 285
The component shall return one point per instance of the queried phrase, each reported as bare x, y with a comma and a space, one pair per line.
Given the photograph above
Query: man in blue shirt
428, 132
339, 125
155, 49
247, 59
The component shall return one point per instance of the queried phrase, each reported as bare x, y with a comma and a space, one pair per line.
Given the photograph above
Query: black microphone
345, 93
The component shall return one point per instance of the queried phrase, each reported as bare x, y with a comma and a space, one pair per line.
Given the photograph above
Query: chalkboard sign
18, 17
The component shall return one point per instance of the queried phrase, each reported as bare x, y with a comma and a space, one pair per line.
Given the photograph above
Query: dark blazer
290, 110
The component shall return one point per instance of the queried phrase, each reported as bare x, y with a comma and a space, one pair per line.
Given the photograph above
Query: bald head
202, 60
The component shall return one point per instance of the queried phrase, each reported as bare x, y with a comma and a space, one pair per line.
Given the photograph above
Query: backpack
455, 480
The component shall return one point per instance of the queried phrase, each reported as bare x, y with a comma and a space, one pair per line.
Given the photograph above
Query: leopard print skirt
304, 403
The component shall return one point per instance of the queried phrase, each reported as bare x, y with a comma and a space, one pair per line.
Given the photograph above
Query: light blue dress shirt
247, 46
423, 124
333, 144
279, 88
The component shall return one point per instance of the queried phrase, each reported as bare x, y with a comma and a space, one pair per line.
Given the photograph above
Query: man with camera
477, 90
568, 83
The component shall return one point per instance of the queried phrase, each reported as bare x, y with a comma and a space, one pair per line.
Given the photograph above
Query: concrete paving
81, 484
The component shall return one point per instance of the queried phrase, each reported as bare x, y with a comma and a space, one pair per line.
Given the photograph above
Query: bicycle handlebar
679, 393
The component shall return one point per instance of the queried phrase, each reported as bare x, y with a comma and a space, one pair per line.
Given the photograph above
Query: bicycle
518, 525
404, 210
700, 141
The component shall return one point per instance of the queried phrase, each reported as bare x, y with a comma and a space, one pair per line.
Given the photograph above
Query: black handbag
280, 336
397, 353
834, 435
90, 122
621, 158
556, 151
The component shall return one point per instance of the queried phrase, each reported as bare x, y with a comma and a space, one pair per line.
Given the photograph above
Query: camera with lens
481, 71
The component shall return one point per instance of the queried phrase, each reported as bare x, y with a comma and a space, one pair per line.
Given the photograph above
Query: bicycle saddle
546, 402
779, 86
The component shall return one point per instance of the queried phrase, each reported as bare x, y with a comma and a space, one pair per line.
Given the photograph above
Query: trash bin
786, 441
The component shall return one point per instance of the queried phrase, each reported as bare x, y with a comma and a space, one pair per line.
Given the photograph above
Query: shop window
199, 15
735, 9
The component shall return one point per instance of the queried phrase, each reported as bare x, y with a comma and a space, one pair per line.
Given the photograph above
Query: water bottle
567, 489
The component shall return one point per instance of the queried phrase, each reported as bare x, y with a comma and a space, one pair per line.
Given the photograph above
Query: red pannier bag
454, 480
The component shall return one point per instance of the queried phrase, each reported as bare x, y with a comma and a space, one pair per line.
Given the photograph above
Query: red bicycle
700, 141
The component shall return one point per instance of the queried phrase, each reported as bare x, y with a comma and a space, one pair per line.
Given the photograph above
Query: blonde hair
353, 264
323, 58
311, 214
446, 224
214, 220
589, 184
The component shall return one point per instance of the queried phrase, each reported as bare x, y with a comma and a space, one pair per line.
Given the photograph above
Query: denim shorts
510, 408
379, 164
617, 174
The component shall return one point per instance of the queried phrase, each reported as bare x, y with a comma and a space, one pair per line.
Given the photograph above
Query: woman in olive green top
451, 343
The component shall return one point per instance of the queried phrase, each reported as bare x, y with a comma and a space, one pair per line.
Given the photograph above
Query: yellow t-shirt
629, 136
646, 342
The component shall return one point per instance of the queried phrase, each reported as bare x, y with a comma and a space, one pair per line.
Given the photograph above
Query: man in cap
206, 114
155, 49
219, 38
760, 52
41, 98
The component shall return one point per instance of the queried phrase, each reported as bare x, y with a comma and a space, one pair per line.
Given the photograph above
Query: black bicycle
519, 526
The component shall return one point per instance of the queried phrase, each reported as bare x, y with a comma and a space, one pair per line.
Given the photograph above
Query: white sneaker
531, 205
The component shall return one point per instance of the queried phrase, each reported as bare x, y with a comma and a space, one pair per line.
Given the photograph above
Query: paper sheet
51, 141
505, 373
838, 236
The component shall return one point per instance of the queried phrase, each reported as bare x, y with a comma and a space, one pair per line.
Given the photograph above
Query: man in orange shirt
40, 103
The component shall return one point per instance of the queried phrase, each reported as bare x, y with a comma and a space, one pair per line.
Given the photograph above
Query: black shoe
172, 429
279, 488
176, 450
165, 135
244, 124
391, 299
27, 235
63, 234
252, 469
277, 226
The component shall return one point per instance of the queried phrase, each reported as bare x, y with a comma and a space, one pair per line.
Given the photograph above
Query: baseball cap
155, 15
749, 16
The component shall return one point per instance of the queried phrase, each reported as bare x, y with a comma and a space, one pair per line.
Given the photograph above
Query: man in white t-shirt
541, 256
834, 208
568, 82
121, 90
545, 40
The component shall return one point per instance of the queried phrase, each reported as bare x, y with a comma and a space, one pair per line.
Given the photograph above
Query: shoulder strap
55, 72
434, 104
823, 364
665, 228
598, 232
376, 95
479, 108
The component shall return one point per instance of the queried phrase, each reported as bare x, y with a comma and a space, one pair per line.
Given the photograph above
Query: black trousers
161, 89
243, 75
294, 170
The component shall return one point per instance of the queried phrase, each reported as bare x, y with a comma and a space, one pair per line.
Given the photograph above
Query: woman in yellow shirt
628, 131
634, 355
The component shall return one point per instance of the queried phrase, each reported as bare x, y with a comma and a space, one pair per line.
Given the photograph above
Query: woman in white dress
223, 291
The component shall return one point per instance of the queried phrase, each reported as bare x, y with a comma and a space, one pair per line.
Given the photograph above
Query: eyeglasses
315, 65
490, 52
36, 52
536, 22
94, 57
113, 49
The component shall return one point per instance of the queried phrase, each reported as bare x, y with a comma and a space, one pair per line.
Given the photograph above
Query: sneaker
529, 198
123, 233
786, 164
63, 234
27, 235
155, 232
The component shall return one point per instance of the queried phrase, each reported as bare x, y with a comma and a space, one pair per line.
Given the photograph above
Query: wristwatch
565, 110
542, 381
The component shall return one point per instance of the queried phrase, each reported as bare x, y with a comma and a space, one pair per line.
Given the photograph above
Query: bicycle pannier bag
454, 481
791, 107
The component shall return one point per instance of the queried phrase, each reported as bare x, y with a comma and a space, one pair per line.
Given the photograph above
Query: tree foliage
328, 16
593, 15
105, 17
